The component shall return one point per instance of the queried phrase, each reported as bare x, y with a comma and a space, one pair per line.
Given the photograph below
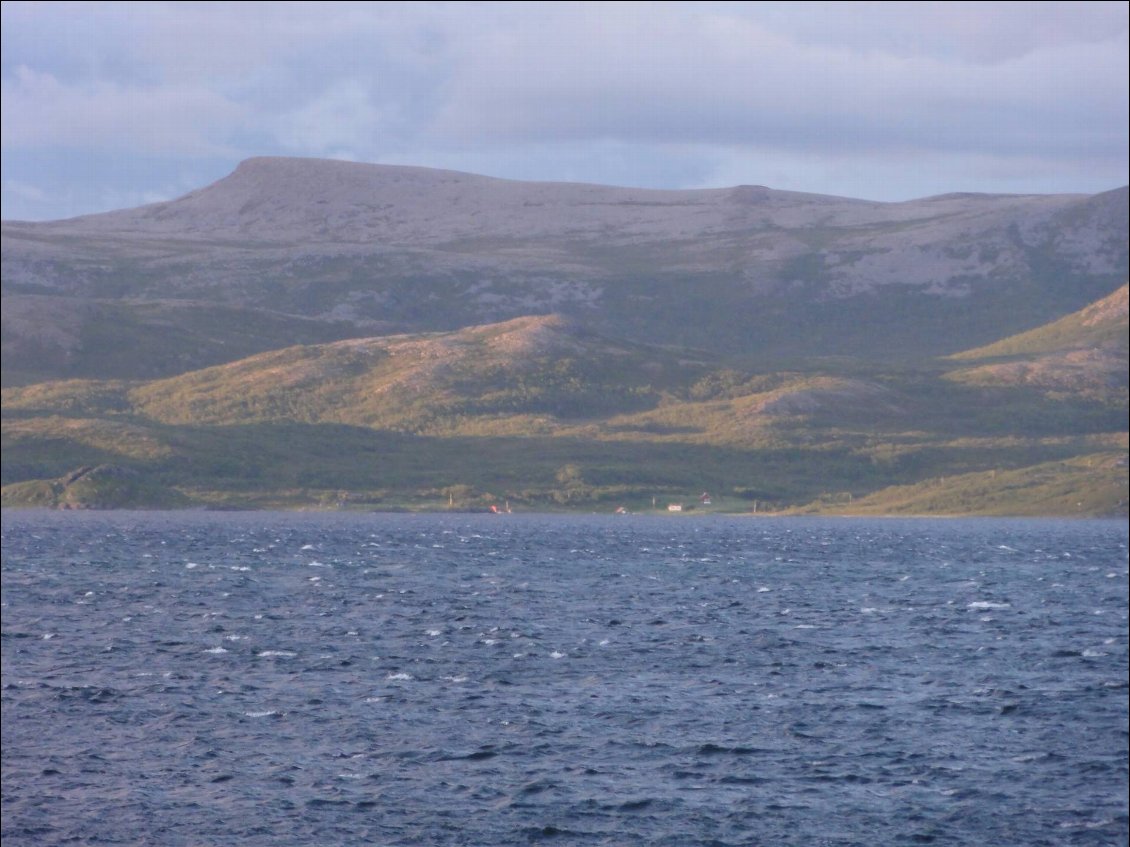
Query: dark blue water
282, 679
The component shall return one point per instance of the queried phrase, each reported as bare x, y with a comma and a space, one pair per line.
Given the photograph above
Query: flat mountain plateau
309, 333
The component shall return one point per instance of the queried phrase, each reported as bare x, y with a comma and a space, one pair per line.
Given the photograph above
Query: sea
212, 678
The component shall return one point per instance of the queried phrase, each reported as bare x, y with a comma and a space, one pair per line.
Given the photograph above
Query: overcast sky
109, 105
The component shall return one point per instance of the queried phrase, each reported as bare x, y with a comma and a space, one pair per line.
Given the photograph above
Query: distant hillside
739, 272
1085, 351
1101, 324
544, 413
64, 337
308, 333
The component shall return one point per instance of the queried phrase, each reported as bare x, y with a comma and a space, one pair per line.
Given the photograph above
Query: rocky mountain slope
333, 334
373, 249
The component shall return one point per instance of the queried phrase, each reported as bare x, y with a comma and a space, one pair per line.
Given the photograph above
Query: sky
111, 105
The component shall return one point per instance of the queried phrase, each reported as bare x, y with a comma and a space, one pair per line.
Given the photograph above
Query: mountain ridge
351, 336
746, 269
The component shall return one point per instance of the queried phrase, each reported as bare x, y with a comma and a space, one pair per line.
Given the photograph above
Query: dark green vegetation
546, 415
326, 334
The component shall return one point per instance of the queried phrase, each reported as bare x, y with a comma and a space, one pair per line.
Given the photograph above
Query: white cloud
726, 79
40, 110
668, 94
340, 119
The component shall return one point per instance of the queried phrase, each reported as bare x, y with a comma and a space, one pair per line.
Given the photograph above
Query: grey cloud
668, 94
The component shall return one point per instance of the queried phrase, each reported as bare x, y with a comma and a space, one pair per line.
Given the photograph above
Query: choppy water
281, 679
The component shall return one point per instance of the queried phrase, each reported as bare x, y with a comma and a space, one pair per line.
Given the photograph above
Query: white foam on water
763, 589
216, 650
265, 714
557, 654
433, 632
988, 604
400, 676
276, 654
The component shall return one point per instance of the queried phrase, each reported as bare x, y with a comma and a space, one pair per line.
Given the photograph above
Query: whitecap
433, 632
265, 714
1090, 653
455, 678
557, 654
988, 604
276, 654
307, 547
764, 589
216, 650
400, 676
190, 565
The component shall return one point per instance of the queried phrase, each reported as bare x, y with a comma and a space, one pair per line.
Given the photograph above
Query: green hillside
1083, 354
1101, 325
58, 337
545, 414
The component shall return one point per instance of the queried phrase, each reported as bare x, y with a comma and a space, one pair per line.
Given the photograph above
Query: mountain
327, 334
373, 249
1085, 351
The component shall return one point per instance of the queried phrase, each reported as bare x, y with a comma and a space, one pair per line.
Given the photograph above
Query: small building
674, 507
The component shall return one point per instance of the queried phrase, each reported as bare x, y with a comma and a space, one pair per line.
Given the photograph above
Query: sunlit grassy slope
544, 414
